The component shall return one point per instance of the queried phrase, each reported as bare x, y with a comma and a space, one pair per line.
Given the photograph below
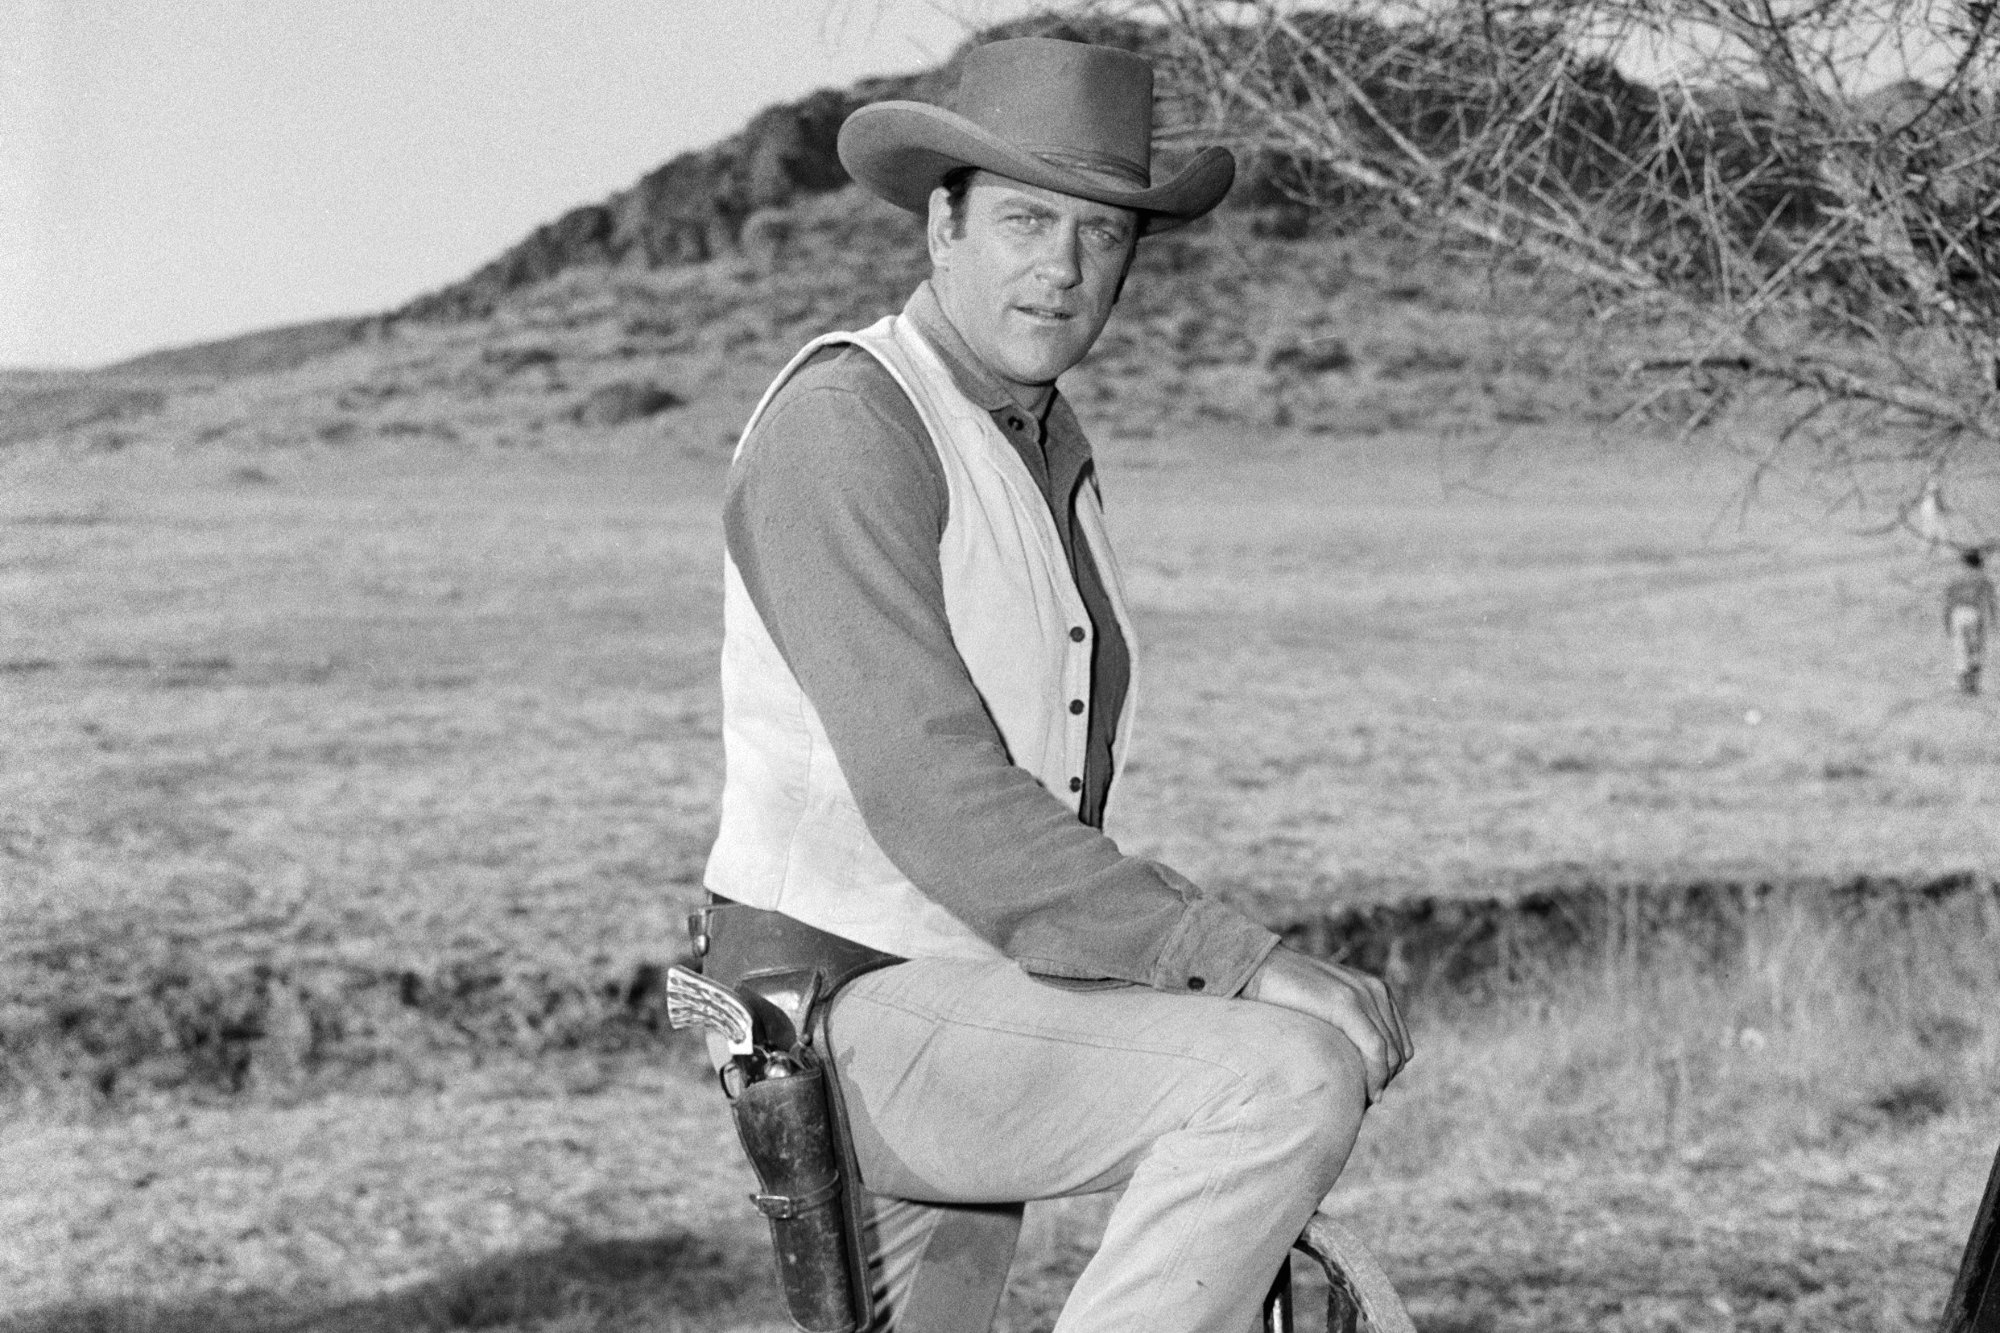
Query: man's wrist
1254, 988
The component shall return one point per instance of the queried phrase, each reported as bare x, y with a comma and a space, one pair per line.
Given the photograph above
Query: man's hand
1352, 1000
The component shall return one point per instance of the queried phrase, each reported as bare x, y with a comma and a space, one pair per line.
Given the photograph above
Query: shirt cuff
1213, 950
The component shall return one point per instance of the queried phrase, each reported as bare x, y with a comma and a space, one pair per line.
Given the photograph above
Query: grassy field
451, 699
351, 785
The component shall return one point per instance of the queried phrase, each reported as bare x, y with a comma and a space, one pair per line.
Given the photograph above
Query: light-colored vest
792, 838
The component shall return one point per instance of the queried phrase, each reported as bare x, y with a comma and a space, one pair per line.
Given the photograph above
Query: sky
178, 170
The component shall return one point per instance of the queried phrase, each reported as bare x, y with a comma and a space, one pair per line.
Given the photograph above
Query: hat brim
901, 150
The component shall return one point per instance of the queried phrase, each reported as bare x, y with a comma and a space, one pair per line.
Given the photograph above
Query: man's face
1033, 276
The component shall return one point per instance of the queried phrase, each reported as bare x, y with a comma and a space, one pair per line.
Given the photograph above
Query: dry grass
1398, 664
1823, 1028
520, 1199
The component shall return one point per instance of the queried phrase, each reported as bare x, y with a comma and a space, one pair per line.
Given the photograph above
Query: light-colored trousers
1224, 1121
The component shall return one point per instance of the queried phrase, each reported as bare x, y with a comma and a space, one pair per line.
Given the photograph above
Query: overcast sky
176, 170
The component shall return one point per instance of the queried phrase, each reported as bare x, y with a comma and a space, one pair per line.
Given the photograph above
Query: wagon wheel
1359, 1297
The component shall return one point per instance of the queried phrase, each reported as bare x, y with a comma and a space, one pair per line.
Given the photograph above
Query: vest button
1076, 705
1076, 634
1196, 983
1076, 784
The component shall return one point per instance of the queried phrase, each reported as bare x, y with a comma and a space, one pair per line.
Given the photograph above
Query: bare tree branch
1809, 190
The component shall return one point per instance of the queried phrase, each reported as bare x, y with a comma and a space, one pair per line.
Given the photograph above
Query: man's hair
957, 183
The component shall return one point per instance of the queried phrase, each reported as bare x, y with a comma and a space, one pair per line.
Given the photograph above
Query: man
927, 696
1969, 613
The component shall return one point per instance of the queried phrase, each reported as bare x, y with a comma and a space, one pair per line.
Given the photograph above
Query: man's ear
938, 229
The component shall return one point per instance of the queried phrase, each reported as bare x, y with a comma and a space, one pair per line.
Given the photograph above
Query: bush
616, 403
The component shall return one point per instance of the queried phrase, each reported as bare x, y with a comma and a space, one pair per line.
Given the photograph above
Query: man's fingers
1392, 1020
1402, 1031
1383, 1002
1375, 1070
1371, 1038
1379, 1073
1396, 1024
1390, 1045
1398, 1029
1380, 1008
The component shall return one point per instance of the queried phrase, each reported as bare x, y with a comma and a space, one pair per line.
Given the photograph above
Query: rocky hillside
692, 209
714, 202
728, 199
725, 199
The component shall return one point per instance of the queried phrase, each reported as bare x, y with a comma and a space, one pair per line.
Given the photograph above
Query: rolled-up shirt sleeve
832, 515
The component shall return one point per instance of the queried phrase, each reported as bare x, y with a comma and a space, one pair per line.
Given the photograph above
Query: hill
1229, 321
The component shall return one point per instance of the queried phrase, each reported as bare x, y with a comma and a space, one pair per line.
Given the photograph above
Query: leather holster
794, 1128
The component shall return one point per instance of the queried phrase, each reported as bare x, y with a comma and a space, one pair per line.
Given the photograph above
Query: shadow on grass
663, 1285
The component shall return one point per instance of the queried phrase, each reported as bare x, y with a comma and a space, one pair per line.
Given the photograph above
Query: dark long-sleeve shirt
833, 515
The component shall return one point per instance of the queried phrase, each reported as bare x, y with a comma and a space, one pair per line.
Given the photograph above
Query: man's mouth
1046, 313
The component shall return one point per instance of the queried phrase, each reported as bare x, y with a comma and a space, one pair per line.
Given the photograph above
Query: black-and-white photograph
999, 666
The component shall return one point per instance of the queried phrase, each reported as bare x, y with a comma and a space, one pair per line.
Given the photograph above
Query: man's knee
1314, 1061
1304, 1081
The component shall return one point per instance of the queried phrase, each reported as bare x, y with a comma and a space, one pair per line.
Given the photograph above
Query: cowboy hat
1067, 116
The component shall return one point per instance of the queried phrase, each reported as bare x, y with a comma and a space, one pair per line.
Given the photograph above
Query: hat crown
1062, 116
1071, 104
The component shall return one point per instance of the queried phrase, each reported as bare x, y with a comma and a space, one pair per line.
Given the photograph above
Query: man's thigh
975, 1083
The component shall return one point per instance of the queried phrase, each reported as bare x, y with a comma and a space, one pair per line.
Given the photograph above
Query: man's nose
1060, 264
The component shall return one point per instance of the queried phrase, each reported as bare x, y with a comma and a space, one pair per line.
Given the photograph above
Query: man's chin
1042, 365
